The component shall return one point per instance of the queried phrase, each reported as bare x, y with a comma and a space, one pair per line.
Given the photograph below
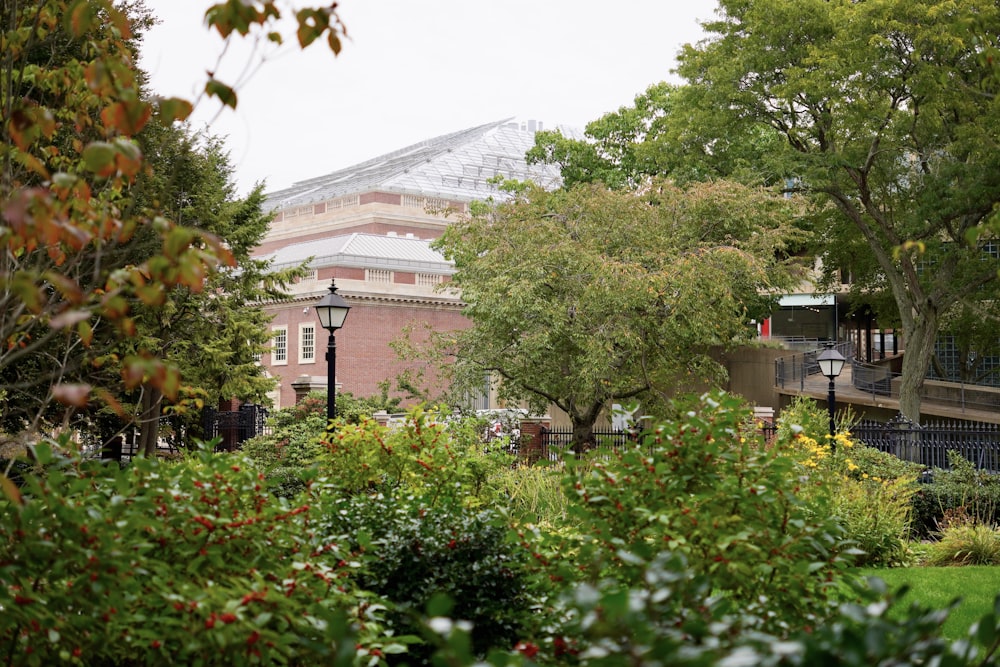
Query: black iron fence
555, 444
236, 426
926, 444
929, 444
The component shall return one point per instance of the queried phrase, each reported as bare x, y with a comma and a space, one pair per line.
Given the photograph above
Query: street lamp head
332, 309
830, 362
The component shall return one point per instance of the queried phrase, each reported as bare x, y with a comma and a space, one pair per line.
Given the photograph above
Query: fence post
906, 439
209, 423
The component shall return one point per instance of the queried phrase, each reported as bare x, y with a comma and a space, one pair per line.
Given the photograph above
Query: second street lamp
332, 311
831, 363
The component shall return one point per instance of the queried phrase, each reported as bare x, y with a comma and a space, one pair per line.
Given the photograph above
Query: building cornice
419, 301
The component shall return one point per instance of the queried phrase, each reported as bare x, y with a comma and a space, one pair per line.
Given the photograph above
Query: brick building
369, 227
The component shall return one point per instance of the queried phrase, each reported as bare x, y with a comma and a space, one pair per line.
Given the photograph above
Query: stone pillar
381, 418
304, 384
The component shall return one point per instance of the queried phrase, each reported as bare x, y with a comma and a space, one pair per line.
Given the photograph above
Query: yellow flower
843, 441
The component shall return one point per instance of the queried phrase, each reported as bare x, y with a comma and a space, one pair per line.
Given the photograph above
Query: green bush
882, 465
431, 455
876, 514
732, 507
293, 444
965, 542
874, 510
355, 409
963, 486
532, 494
295, 440
189, 562
411, 552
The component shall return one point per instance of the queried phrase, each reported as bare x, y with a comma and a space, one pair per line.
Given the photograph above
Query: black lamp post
831, 363
332, 310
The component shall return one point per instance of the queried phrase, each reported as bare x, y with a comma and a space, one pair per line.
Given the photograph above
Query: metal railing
556, 442
234, 427
880, 381
796, 369
929, 444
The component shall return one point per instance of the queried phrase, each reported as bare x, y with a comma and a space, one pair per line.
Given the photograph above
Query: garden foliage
704, 487
870, 493
962, 488
190, 562
410, 552
698, 546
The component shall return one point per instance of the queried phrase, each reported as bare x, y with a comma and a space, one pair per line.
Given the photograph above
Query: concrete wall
751, 374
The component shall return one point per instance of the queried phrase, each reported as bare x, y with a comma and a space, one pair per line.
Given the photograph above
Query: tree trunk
919, 340
149, 420
583, 435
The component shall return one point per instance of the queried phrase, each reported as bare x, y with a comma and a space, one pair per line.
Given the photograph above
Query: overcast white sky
412, 70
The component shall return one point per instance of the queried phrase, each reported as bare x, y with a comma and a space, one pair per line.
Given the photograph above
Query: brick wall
364, 357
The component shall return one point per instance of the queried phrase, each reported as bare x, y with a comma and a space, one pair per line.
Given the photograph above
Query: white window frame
281, 332
303, 357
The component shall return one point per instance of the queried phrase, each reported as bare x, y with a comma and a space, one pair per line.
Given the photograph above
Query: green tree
73, 116
585, 296
890, 116
212, 333
654, 137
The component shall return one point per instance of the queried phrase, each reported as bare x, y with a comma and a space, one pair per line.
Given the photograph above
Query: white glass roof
455, 166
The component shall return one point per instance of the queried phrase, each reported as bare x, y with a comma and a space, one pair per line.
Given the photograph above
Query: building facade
370, 227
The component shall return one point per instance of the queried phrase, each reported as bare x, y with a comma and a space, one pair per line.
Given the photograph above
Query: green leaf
175, 108
440, 604
43, 453
226, 95
986, 632
99, 157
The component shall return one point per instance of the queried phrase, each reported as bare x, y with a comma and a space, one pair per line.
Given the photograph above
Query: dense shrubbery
193, 562
707, 489
869, 492
963, 488
294, 442
410, 552
698, 546
295, 438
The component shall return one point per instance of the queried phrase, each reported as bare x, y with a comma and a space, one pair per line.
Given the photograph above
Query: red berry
527, 649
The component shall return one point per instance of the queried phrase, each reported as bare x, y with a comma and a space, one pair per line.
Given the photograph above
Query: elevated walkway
871, 388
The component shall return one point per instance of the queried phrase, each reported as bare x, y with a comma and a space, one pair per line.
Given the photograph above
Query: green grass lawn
938, 586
